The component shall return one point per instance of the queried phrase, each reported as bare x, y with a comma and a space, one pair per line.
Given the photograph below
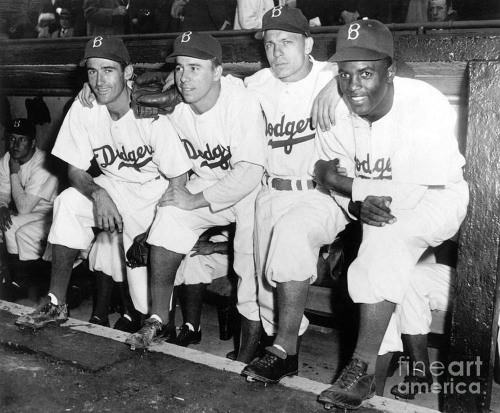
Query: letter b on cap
353, 32
276, 11
186, 37
97, 41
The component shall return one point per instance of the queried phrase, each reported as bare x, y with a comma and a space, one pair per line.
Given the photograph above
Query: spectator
249, 12
321, 12
441, 11
106, 17
417, 11
45, 25
205, 15
27, 193
66, 23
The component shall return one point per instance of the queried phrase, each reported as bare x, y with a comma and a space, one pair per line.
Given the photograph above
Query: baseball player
408, 189
293, 218
221, 126
139, 159
30, 188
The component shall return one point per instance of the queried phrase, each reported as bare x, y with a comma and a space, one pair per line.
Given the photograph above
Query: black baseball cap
284, 18
363, 40
106, 47
198, 45
21, 126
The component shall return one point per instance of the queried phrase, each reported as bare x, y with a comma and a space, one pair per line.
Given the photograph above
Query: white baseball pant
28, 234
74, 218
388, 254
178, 230
290, 228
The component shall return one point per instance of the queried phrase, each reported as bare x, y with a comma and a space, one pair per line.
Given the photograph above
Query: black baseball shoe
97, 320
271, 368
187, 336
45, 313
129, 325
152, 331
411, 386
352, 387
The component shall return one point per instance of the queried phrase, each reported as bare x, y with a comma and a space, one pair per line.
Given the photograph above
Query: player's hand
86, 96
203, 247
14, 166
323, 110
325, 173
5, 219
376, 211
180, 197
106, 212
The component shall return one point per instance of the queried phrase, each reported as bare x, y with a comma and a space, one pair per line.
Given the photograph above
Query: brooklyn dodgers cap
106, 47
284, 18
21, 126
363, 40
198, 45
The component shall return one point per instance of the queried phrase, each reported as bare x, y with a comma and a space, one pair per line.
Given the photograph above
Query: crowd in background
68, 18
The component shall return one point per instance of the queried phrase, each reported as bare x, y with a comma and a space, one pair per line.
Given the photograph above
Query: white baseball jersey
287, 109
129, 149
28, 233
217, 139
35, 179
411, 154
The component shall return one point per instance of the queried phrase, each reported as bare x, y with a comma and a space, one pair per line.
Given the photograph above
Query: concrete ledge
219, 363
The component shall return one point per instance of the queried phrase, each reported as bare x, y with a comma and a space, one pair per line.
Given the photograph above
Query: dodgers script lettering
217, 157
135, 158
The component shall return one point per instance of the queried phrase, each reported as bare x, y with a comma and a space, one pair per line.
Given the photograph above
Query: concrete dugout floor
83, 367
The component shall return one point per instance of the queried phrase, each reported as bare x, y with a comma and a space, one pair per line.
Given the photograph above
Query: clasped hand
325, 173
178, 196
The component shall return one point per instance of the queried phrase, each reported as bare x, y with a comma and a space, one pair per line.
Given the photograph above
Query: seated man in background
27, 193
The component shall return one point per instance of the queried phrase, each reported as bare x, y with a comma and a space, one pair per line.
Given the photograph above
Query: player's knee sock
62, 265
374, 319
164, 266
292, 297
104, 285
419, 357
193, 300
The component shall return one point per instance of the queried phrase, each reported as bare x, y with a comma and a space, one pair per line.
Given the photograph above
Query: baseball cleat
152, 331
45, 313
352, 387
271, 369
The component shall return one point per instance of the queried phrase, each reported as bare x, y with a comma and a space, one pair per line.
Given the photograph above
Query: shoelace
184, 333
267, 360
350, 375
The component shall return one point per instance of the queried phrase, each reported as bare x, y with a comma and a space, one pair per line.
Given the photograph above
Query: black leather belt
281, 184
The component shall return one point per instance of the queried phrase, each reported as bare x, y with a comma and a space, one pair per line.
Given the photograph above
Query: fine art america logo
453, 372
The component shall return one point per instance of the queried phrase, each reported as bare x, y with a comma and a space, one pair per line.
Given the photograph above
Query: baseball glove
149, 100
138, 253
